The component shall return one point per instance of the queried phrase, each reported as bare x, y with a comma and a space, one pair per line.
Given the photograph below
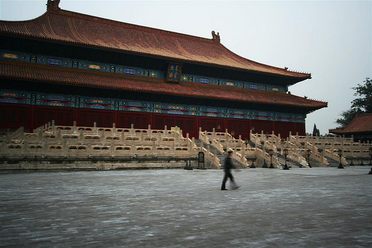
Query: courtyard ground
317, 207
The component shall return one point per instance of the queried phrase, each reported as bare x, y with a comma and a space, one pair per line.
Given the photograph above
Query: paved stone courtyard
318, 207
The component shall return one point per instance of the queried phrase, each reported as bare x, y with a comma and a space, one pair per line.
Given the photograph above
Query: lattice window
187, 78
129, 71
253, 86
174, 72
33, 59
204, 80
75, 64
53, 61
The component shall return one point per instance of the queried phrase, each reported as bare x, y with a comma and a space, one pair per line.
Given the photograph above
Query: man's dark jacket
228, 164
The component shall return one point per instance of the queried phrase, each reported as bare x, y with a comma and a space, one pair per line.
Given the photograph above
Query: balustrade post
74, 126
113, 130
122, 137
190, 145
39, 134
95, 131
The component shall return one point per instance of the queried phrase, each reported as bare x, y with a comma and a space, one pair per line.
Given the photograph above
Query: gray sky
330, 39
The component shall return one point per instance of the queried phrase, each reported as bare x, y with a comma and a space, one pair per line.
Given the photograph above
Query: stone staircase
53, 143
50, 144
290, 163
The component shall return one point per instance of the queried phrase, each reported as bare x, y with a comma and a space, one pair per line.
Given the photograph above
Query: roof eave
293, 79
305, 107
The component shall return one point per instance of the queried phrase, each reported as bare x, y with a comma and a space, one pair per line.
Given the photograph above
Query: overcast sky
330, 39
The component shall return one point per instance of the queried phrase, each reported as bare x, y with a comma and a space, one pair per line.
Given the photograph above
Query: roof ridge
259, 63
129, 25
71, 27
173, 33
361, 123
109, 21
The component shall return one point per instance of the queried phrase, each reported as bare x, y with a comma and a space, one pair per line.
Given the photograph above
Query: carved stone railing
348, 147
215, 139
295, 154
308, 149
297, 157
211, 159
74, 142
332, 154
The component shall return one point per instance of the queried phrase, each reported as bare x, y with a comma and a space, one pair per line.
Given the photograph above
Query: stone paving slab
318, 207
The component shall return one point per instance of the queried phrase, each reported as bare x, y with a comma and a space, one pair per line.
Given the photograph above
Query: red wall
12, 116
30, 117
42, 115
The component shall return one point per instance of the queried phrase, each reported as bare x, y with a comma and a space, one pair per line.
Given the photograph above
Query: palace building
67, 66
360, 128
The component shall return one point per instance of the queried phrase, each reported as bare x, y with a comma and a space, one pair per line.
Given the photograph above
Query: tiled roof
75, 28
362, 123
76, 77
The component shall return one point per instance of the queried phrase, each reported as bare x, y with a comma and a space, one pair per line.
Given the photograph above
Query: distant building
360, 128
67, 66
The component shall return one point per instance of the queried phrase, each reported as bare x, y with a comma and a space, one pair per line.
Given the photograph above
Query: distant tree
362, 104
347, 117
316, 131
365, 101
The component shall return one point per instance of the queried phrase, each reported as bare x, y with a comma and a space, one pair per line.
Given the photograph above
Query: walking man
228, 165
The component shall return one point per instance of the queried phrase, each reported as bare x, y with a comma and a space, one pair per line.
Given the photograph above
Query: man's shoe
223, 189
